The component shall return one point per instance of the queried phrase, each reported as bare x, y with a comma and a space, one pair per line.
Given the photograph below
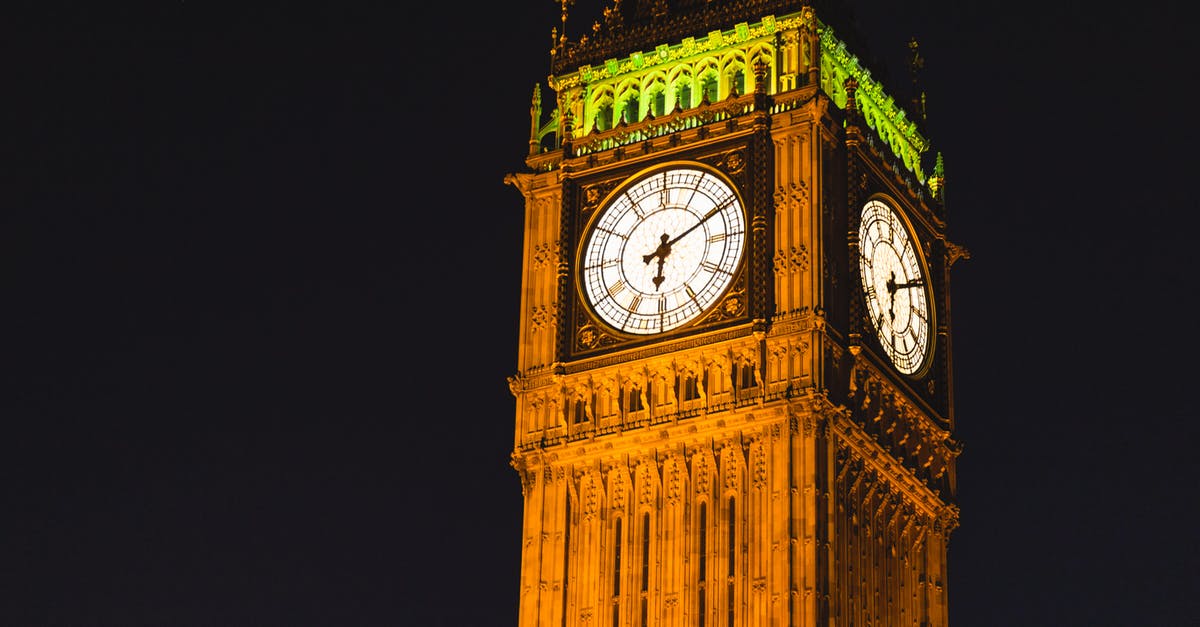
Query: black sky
249, 248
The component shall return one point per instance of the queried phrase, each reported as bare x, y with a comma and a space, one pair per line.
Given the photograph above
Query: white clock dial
662, 250
895, 287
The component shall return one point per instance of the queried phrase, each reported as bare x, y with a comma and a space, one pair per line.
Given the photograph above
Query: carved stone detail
542, 317
758, 456
673, 479
792, 260
545, 255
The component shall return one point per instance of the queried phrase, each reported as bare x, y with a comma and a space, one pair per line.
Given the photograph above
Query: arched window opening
631, 399
684, 95
628, 111
708, 88
659, 102
604, 117
737, 82
580, 410
742, 377
689, 389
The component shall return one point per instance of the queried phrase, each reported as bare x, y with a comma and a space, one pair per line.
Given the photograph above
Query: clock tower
734, 399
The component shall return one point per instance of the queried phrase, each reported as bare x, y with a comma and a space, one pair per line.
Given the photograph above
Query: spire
535, 114
565, 4
937, 182
916, 63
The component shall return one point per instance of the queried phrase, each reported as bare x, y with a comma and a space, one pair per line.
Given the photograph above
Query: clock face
662, 250
895, 287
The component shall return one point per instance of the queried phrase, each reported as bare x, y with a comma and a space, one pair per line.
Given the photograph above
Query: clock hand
664, 248
714, 211
658, 279
891, 289
892, 285
661, 252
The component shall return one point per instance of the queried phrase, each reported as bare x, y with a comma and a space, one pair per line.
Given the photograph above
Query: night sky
261, 288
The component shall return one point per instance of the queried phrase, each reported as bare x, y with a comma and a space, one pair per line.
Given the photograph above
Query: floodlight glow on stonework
733, 402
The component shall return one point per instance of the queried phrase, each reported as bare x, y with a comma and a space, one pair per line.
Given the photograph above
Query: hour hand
664, 249
892, 285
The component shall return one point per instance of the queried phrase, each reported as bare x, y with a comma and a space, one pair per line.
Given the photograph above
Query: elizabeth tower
734, 391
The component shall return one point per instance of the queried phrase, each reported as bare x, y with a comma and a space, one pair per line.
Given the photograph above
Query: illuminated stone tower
734, 396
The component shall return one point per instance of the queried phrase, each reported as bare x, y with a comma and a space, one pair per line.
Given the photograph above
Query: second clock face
662, 250
895, 287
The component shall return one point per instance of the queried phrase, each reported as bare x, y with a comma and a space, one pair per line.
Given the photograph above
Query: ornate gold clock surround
744, 162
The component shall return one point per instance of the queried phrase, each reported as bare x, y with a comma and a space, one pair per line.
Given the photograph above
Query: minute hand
714, 211
892, 285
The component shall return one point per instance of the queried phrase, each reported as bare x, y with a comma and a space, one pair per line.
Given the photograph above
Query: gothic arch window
689, 386
680, 83
737, 81
627, 112
629, 104
717, 382
683, 94
766, 55
658, 102
603, 120
733, 73
581, 409
654, 86
743, 375
632, 400
661, 392
606, 405
598, 114
709, 86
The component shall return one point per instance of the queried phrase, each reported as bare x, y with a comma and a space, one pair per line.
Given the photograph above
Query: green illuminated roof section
881, 113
